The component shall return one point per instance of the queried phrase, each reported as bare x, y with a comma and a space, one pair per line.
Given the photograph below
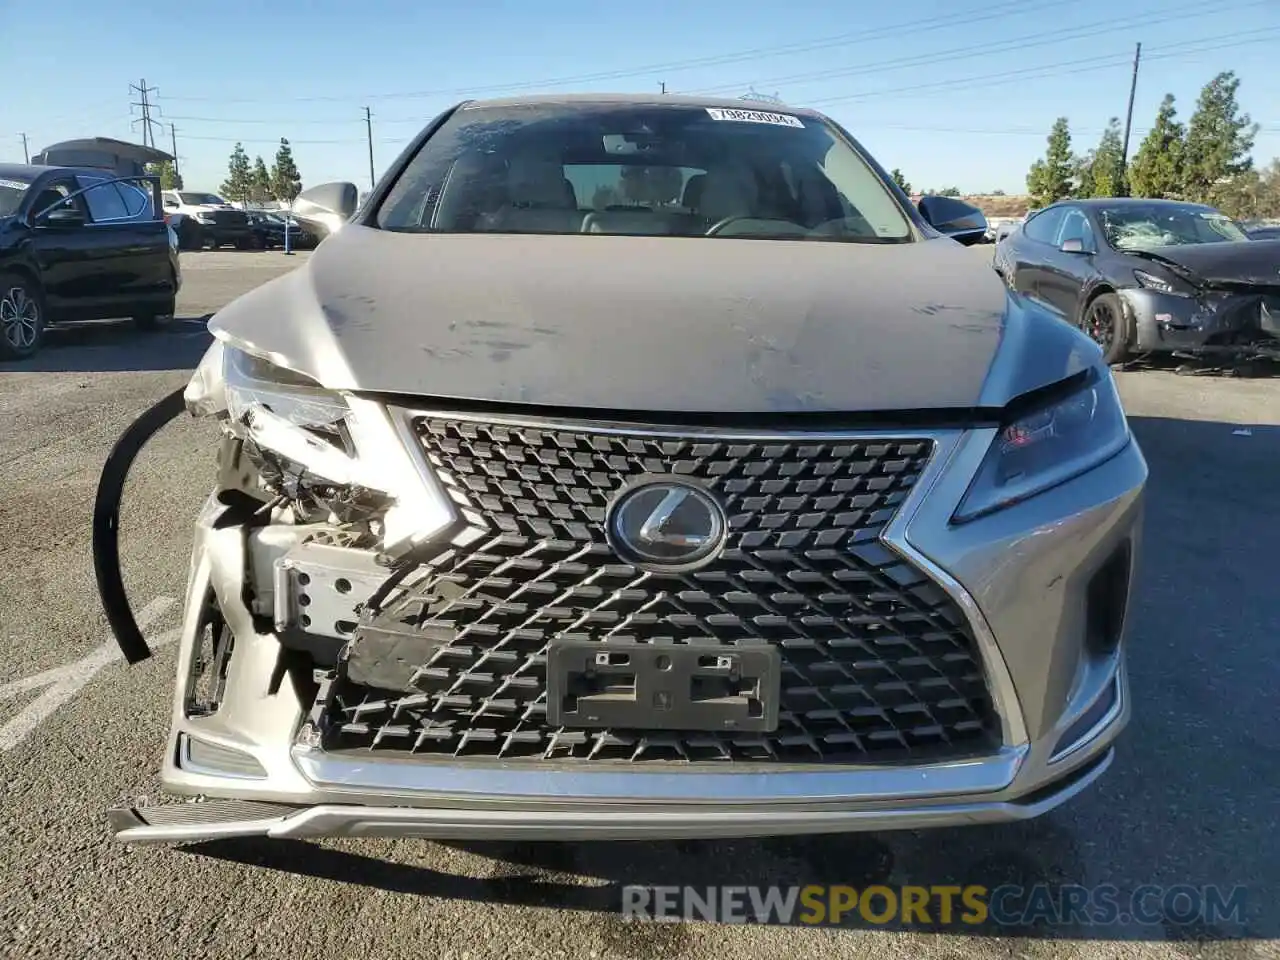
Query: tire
190, 236
1105, 323
157, 319
22, 317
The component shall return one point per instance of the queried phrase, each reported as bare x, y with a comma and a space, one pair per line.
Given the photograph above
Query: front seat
539, 199
729, 192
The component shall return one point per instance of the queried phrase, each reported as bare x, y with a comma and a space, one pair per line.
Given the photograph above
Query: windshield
1143, 227
643, 169
202, 199
11, 194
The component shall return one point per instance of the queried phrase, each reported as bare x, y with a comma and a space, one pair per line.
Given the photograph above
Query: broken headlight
322, 443
1049, 446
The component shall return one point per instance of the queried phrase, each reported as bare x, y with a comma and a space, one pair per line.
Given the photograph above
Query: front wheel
1106, 324
22, 318
156, 319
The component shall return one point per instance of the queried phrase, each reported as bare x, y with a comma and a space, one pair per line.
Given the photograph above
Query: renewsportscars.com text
970, 905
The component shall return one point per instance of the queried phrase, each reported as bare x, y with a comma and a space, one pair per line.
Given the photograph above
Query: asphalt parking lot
1190, 800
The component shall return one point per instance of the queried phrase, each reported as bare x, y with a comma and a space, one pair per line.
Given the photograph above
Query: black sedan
1149, 276
268, 231
80, 244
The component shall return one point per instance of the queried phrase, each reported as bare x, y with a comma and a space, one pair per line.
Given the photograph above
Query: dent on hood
271, 322
1037, 349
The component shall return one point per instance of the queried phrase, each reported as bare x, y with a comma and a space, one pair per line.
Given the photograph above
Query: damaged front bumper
267, 601
1242, 324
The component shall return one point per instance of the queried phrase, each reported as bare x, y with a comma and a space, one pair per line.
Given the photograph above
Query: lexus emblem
667, 525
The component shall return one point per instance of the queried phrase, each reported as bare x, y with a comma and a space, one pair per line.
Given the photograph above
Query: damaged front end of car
1189, 314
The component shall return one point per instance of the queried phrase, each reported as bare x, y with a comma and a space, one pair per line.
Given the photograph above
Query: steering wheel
724, 222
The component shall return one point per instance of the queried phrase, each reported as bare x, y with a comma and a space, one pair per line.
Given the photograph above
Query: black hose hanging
106, 524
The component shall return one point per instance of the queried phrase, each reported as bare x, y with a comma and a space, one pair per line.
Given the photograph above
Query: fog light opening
202, 756
1107, 601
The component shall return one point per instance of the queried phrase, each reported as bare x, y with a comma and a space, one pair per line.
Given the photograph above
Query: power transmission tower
368, 126
1128, 121
26, 155
143, 103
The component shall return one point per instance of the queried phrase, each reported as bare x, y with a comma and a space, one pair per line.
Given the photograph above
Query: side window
1043, 227
51, 193
1075, 226
137, 202
170, 201
105, 202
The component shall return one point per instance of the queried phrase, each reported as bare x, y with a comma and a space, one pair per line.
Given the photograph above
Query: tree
169, 178
262, 186
1100, 173
1218, 140
1050, 179
901, 181
239, 182
286, 182
1156, 170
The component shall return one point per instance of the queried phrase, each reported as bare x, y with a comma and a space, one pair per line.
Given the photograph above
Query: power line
975, 14
1038, 38
1044, 70
968, 52
1080, 65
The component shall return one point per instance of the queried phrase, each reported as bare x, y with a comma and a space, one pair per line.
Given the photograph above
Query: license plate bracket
707, 687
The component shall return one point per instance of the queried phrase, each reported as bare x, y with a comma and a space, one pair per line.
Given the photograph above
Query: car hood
1242, 261
655, 323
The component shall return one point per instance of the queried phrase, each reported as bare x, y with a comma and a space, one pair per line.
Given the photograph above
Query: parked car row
205, 220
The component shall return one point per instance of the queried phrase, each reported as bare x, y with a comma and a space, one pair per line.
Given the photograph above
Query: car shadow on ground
116, 346
1188, 803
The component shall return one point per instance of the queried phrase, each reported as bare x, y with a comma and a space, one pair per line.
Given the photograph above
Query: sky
953, 93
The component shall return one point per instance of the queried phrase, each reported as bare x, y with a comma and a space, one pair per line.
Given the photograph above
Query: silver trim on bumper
196, 822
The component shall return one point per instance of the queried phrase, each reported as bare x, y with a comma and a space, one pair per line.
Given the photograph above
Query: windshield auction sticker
14, 184
754, 116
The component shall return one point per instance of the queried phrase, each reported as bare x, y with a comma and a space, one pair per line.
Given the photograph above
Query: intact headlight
344, 439
1049, 446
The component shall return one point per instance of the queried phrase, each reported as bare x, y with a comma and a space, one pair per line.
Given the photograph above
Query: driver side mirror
960, 221
324, 209
1073, 245
67, 216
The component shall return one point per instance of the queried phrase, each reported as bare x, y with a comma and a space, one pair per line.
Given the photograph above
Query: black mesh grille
877, 661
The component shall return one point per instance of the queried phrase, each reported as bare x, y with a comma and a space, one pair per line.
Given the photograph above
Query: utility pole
141, 88
368, 126
26, 155
173, 142
1128, 122
663, 84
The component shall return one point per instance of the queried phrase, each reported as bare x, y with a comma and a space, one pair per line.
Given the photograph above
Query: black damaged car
1150, 276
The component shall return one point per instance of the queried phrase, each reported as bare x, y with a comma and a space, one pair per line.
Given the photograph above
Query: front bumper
1216, 323
1024, 577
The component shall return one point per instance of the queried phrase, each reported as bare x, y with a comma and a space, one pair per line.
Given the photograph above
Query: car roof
646, 99
1095, 202
30, 172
